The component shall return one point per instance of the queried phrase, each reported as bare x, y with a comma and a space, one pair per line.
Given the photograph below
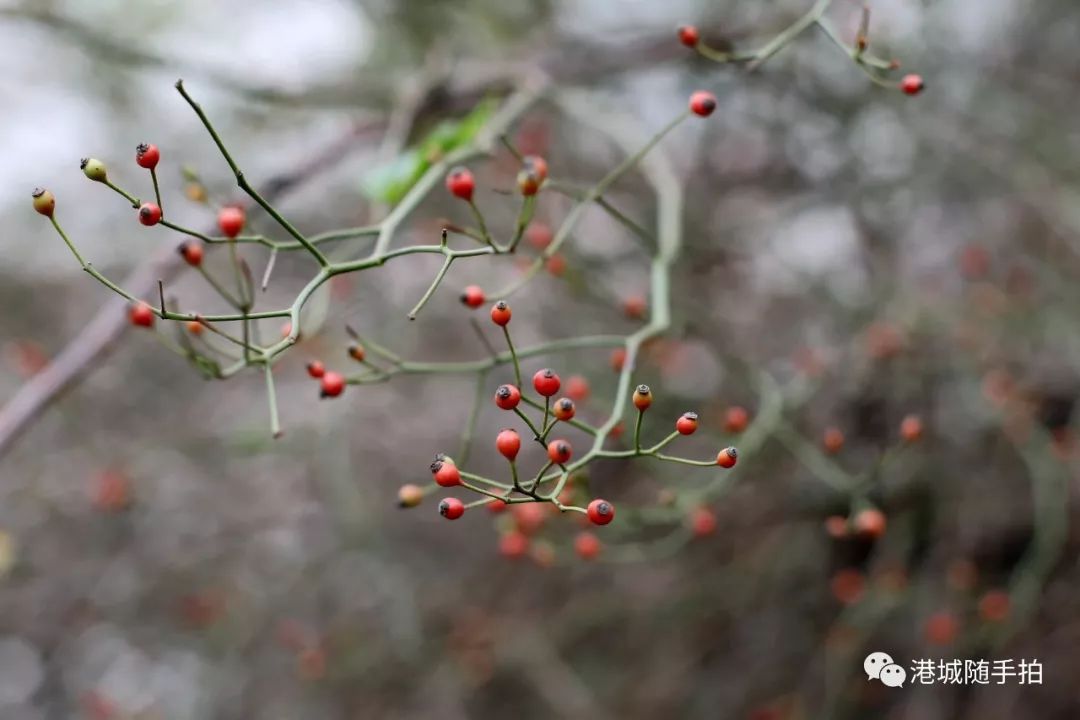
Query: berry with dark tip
727, 457
601, 512
546, 382
461, 183
147, 156
687, 423
451, 508
44, 202
507, 397
564, 409
149, 214
702, 103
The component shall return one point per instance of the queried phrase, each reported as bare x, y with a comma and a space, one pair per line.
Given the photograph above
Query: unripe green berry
44, 202
94, 169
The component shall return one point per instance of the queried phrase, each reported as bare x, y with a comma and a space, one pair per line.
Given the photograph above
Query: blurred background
852, 256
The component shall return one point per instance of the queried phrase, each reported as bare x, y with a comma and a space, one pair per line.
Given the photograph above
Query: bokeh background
877, 255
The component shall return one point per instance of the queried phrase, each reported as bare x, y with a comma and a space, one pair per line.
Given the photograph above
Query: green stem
218, 288
127, 196
481, 224
794, 30
523, 416
275, 424
244, 185
513, 355
157, 190
431, 288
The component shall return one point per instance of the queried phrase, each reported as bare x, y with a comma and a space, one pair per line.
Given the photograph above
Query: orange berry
642, 397
634, 307
836, 526
727, 457
847, 586
941, 628
833, 440
513, 544
703, 522
618, 359
587, 545
736, 419
870, 523
994, 606
911, 428
410, 496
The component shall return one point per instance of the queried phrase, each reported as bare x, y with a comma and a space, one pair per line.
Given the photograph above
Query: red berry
513, 544
149, 214
333, 384
689, 36
911, 428
507, 397
912, 84
44, 201
702, 103
451, 508
577, 388
559, 451
836, 526
870, 523
147, 156
529, 517
634, 307
703, 522
528, 183
316, 369
539, 236
497, 506
618, 359
587, 545
994, 606
833, 440
642, 397
194, 327
460, 183
601, 512
687, 423
546, 382
446, 473
231, 221
564, 409
500, 313
508, 442
556, 265
727, 457
736, 419
537, 166
192, 252
141, 315
473, 296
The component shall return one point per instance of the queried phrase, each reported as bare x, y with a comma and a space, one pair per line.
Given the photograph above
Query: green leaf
390, 182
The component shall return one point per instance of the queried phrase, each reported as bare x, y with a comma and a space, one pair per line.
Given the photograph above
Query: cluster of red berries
331, 384
524, 500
